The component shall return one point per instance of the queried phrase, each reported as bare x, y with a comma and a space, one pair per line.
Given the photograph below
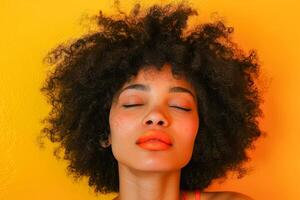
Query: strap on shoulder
197, 193
183, 195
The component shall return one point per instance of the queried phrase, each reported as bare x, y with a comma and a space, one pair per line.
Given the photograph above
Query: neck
148, 185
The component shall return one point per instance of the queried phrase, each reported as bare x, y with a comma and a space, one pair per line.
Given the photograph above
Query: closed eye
132, 105
185, 109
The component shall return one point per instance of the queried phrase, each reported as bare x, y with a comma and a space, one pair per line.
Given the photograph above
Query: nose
156, 118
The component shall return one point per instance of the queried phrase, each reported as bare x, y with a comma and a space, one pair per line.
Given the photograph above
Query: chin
152, 165
157, 169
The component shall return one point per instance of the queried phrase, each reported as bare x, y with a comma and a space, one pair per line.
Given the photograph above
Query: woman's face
161, 102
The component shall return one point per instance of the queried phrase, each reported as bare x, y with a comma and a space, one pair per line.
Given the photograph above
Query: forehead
150, 74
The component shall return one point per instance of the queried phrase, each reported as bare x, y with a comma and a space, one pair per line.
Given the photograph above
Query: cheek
123, 129
119, 122
188, 129
186, 132
122, 126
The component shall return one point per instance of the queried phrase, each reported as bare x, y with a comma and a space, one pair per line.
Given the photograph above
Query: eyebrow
147, 88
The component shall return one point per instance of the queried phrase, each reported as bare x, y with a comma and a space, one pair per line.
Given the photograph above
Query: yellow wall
30, 28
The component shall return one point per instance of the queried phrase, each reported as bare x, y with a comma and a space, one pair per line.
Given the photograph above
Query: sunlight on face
154, 100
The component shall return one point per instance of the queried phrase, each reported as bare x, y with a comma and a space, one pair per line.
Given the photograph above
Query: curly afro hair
90, 70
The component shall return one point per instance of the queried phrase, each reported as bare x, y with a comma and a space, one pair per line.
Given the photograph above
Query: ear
105, 143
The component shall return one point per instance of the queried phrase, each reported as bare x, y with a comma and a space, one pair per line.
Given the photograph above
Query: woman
146, 110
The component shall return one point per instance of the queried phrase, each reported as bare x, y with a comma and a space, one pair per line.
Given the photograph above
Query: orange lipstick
154, 140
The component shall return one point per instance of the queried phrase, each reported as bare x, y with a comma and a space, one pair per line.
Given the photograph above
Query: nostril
159, 123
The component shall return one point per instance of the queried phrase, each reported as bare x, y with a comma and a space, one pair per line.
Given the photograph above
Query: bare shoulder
226, 195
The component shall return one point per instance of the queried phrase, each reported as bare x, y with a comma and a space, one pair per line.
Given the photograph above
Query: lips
154, 135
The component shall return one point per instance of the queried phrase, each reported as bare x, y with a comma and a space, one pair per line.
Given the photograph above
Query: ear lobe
105, 143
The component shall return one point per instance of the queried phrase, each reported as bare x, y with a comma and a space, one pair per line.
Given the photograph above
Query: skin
153, 175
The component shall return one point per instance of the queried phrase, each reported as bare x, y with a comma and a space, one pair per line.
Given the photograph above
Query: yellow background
28, 29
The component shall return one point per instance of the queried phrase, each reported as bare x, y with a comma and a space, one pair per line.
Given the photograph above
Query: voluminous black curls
89, 71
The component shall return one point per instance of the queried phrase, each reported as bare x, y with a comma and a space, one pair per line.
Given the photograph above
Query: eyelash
132, 105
